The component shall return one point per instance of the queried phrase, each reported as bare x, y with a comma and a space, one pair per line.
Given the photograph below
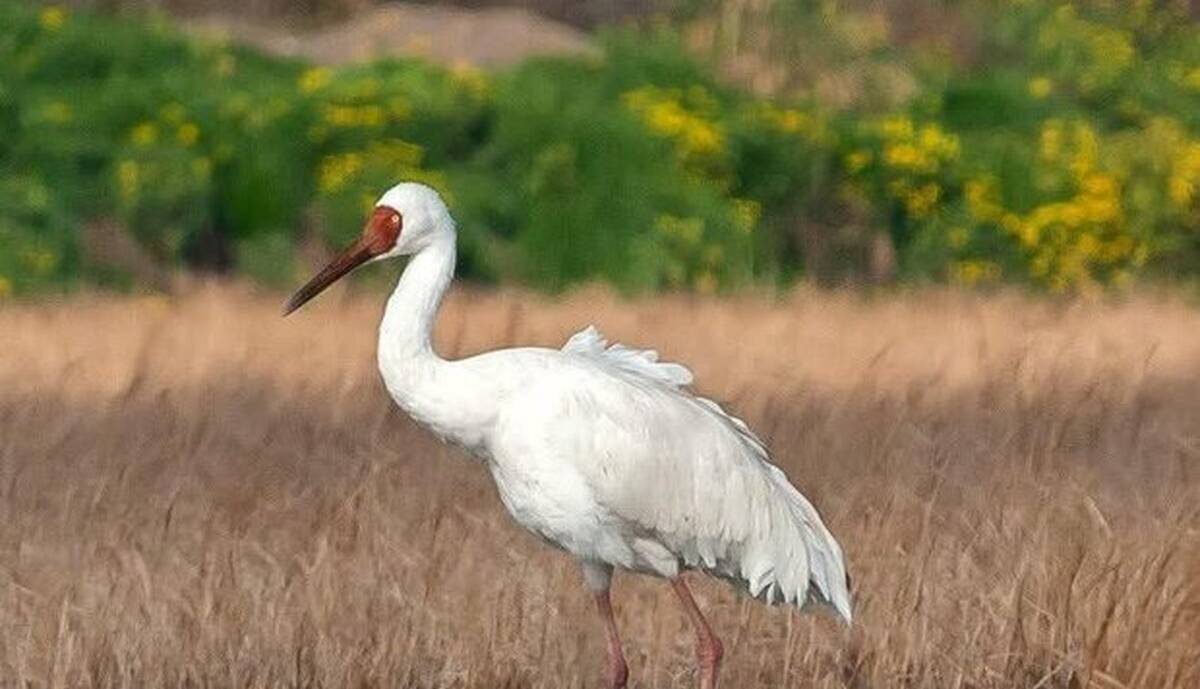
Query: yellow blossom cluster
919, 201
1103, 52
350, 116
1070, 242
911, 158
791, 121
336, 171
1040, 87
975, 272
167, 145
923, 150
357, 107
173, 118
1184, 182
858, 160
52, 17
696, 135
144, 134
38, 260
399, 159
58, 112
690, 261
746, 214
314, 79
470, 79
129, 180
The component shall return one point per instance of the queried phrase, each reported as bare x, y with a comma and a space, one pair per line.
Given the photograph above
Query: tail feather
826, 565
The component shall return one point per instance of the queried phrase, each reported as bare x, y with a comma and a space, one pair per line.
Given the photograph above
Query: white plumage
599, 449
697, 482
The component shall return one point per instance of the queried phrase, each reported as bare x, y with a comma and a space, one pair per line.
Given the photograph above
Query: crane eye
395, 220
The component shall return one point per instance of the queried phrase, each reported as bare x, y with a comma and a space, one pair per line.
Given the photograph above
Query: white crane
599, 449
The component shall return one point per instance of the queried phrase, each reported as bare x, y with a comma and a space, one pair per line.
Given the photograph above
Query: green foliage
39, 251
616, 170
1066, 156
1076, 158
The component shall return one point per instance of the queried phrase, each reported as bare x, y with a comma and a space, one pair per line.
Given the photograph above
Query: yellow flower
922, 201
336, 171
188, 133
913, 151
746, 214
174, 113
470, 79
981, 199
202, 168
1051, 139
398, 152
705, 283
144, 134
58, 112
1087, 147
790, 121
938, 143
906, 156
128, 179
1040, 87
39, 261
398, 108
958, 237
664, 114
314, 79
688, 231
1192, 80
974, 272
6, 288
52, 17
1185, 177
857, 161
349, 116
1181, 190
898, 127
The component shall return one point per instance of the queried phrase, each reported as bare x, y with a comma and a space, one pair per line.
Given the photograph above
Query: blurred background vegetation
700, 145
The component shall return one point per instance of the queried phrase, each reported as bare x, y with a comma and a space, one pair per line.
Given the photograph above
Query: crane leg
599, 580
708, 647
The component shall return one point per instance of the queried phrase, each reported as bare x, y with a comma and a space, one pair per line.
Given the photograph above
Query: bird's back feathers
638, 362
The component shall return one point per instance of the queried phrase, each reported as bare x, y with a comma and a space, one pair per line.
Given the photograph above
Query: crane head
406, 219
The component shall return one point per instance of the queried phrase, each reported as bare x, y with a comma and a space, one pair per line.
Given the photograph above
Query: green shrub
1066, 156
39, 244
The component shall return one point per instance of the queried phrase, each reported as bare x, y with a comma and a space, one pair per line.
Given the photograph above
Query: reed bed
197, 493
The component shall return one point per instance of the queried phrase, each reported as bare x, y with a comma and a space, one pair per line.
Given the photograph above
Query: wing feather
699, 481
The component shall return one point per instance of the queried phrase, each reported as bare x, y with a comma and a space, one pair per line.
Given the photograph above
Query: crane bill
354, 256
379, 237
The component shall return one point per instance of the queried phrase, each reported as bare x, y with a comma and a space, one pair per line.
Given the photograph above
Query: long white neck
442, 395
405, 335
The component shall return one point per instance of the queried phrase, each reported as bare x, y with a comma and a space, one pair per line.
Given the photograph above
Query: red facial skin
379, 236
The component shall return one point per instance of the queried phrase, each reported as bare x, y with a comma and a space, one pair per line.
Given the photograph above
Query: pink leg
708, 647
618, 671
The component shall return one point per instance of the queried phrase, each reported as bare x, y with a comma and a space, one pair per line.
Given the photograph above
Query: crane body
601, 450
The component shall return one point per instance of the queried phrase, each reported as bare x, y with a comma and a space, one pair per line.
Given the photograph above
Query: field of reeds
195, 492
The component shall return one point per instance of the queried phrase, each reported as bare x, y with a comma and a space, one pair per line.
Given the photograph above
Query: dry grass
196, 493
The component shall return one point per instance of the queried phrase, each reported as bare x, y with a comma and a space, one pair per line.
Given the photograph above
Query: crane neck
406, 332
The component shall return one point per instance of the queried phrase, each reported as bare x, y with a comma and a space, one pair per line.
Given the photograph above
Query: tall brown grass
196, 493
